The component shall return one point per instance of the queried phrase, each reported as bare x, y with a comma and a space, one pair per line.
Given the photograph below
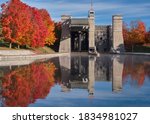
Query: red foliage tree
138, 31
15, 21
148, 37
126, 34
49, 24
39, 29
135, 34
26, 25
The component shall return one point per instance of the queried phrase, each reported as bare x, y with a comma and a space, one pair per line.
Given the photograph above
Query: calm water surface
76, 81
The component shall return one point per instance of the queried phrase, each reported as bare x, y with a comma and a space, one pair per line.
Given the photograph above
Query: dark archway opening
79, 41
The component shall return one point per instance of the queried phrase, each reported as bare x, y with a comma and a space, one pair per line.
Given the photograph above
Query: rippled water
77, 80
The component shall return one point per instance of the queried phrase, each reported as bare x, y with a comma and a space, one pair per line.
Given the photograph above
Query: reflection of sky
103, 96
132, 94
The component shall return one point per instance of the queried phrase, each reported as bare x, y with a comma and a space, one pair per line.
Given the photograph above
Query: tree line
25, 25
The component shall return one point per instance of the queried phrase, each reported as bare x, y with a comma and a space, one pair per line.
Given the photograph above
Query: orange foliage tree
138, 31
49, 24
25, 25
148, 37
0, 29
57, 30
126, 34
26, 84
136, 34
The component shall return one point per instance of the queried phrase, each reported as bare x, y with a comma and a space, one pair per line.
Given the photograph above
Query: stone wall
103, 38
16, 52
65, 43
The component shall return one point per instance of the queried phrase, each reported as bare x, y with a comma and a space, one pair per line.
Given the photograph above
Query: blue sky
130, 9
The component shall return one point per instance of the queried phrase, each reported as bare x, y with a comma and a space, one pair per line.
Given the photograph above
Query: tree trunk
10, 45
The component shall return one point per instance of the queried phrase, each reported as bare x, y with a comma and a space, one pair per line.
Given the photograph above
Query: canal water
76, 81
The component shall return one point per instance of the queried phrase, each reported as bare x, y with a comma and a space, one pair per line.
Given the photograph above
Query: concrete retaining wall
16, 52
26, 59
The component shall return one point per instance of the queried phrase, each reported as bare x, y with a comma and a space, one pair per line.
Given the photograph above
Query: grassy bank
43, 50
40, 50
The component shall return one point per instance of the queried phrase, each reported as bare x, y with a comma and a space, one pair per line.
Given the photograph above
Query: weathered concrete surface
65, 42
31, 57
118, 43
91, 19
16, 52
15, 62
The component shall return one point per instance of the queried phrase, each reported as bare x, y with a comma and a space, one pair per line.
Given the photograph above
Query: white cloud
104, 10
61, 7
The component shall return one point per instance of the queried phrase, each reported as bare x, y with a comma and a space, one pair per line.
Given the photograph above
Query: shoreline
31, 56
6, 55
131, 53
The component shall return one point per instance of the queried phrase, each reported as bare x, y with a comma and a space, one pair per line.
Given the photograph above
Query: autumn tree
147, 37
138, 31
0, 27
49, 24
25, 25
15, 21
39, 29
135, 34
126, 35
58, 31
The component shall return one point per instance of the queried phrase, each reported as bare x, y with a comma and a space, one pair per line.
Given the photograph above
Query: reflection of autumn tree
137, 71
26, 84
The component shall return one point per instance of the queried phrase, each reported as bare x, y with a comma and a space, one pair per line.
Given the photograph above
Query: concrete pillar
91, 19
117, 24
65, 18
117, 75
65, 42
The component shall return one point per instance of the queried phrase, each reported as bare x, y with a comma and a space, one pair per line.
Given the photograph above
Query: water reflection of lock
91, 76
117, 76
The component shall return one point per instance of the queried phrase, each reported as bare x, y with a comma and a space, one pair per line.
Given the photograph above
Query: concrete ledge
132, 53
33, 57
16, 52
15, 62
